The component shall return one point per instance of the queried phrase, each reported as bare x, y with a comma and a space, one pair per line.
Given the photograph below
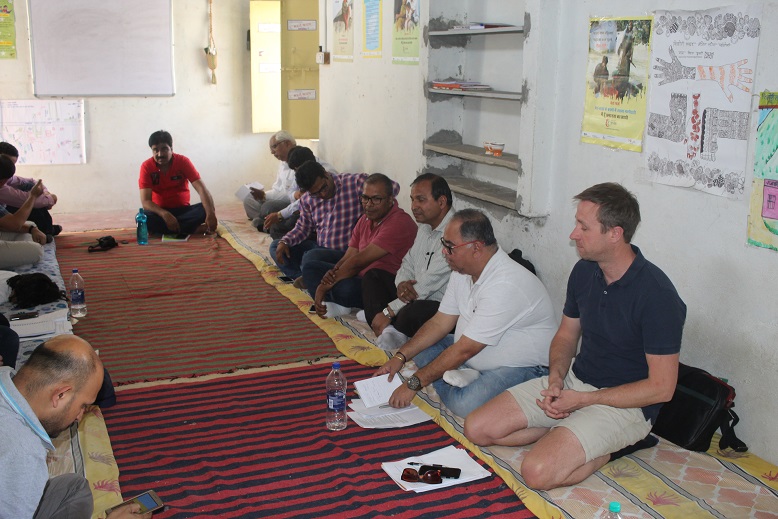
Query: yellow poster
7, 30
371, 29
763, 210
343, 30
405, 32
616, 78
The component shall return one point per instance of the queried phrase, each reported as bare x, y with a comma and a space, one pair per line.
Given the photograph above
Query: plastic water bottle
77, 296
143, 230
614, 511
336, 399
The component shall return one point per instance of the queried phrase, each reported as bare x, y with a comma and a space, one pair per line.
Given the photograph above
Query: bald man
50, 392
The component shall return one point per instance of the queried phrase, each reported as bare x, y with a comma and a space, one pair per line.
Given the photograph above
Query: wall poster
7, 30
405, 32
763, 210
700, 97
616, 80
371, 29
343, 30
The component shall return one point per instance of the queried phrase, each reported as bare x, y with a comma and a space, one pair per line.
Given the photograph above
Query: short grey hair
283, 136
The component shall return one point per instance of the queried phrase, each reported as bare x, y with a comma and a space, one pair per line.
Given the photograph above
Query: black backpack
701, 404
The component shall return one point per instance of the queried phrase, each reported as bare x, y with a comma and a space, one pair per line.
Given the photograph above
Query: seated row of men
515, 374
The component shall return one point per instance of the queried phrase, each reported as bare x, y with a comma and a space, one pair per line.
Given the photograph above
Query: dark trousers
346, 292
378, 290
41, 217
189, 217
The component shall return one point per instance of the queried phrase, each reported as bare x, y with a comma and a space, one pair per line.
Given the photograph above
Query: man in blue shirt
629, 319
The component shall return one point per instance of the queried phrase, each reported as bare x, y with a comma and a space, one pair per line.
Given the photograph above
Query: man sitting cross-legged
629, 319
21, 242
503, 318
379, 241
397, 312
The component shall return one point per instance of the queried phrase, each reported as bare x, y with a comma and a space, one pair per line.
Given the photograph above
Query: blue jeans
462, 400
293, 266
346, 292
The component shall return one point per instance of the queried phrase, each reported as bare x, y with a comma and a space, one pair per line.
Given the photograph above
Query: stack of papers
44, 326
448, 457
373, 411
245, 190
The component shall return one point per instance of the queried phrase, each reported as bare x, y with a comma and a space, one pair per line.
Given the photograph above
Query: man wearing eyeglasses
396, 308
379, 241
260, 203
600, 398
503, 321
330, 206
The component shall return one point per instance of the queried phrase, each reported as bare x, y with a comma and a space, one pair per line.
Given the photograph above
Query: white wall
373, 116
211, 124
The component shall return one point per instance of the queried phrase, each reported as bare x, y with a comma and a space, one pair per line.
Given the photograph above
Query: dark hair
160, 137
6, 148
307, 173
380, 178
47, 366
28, 290
475, 226
439, 186
298, 156
618, 207
7, 167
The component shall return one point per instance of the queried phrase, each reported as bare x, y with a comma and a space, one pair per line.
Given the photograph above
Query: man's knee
478, 427
538, 472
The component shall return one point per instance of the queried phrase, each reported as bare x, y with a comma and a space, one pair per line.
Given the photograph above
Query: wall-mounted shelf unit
488, 94
474, 154
471, 32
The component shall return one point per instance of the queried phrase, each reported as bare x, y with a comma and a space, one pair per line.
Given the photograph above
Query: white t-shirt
508, 309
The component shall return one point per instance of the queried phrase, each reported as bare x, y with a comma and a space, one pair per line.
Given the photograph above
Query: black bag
29, 290
516, 255
701, 404
103, 244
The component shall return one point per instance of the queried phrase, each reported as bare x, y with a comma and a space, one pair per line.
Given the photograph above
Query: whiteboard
102, 47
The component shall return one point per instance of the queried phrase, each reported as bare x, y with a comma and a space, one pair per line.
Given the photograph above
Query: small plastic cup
488, 148
497, 148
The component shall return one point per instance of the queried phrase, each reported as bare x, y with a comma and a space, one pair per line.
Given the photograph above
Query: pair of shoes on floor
391, 339
299, 283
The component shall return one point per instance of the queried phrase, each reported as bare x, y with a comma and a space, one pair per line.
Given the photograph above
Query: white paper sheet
448, 457
376, 391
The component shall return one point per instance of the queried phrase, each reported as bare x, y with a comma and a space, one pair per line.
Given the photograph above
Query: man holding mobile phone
51, 391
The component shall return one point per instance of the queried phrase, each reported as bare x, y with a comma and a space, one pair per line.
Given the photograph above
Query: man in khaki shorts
630, 319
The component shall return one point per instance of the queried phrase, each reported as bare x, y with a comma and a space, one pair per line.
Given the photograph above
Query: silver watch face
386, 312
414, 383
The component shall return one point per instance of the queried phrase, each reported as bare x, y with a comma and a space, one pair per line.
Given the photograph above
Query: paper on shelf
448, 457
376, 391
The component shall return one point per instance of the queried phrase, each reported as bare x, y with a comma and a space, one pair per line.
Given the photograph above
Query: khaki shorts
600, 429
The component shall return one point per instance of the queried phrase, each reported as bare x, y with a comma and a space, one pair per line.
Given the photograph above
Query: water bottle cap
615, 507
336, 365
75, 271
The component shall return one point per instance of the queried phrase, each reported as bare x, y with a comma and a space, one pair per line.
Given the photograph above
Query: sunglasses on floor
432, 477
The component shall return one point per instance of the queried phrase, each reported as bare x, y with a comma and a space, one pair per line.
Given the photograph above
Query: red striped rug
255, 445
170, 310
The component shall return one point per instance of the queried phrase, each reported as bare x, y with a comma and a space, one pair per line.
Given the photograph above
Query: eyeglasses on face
449, 247
371, 200
431, 477
321, 190
276, 145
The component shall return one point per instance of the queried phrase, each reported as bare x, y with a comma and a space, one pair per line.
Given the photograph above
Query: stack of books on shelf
459, 85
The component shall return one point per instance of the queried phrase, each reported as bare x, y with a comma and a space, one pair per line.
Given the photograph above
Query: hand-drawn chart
700, 97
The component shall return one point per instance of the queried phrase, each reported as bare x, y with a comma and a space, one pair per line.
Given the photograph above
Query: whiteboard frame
120, 77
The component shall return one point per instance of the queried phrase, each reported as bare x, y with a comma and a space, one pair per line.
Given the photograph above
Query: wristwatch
32, 226
413, 383
386, 312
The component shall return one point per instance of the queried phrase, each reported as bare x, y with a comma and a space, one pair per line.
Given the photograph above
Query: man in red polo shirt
164, 191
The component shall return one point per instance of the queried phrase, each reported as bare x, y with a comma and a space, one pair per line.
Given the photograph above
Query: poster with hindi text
343, 30
616, 79
405, 32
371, 29
7, 30
763, 209
700, 97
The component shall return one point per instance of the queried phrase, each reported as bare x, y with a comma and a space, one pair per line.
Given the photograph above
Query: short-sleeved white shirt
508, 309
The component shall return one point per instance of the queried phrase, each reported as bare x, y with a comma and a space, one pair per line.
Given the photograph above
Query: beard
55, 425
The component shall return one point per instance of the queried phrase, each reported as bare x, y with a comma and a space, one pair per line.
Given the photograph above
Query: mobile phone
446, 472
286, 279
148, 501
23, 315
312, 309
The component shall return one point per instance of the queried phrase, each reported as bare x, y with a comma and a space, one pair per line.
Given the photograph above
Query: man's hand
391, 367
131, 511
282, 253
329, 277
171, 222
211, 222
37, 189
38, 236
53, 197
550, 395
406, 292
257, 194
271, 220
402, 397
318, 301
380, 321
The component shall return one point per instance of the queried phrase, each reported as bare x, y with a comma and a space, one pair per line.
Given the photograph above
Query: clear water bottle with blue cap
614, 511
336, 399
